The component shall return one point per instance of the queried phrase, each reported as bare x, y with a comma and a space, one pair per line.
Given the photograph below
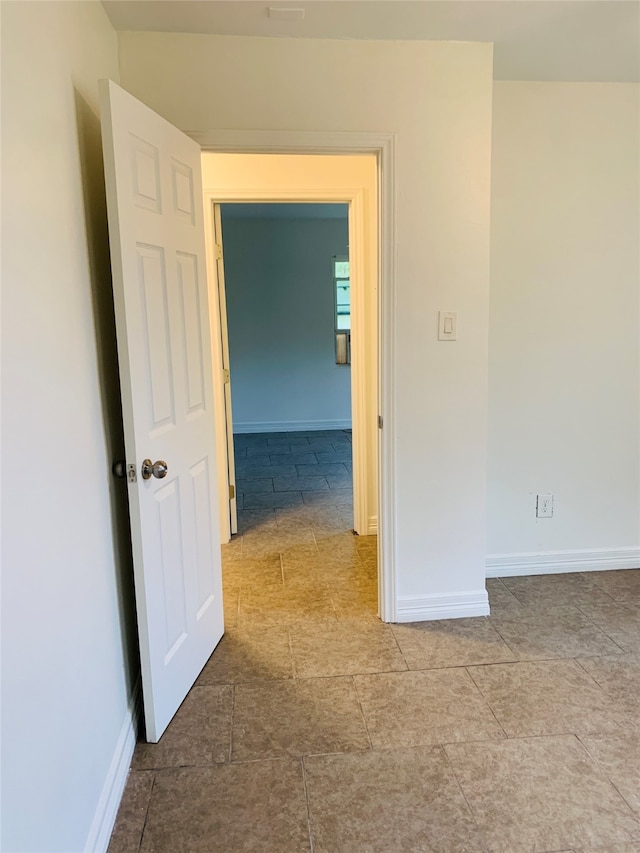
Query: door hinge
218, 251
232, 492
379, 421
226, 376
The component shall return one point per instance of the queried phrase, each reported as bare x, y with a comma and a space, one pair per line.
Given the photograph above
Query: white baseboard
112, 790
557, 562
372, 526
424, 609
289, 426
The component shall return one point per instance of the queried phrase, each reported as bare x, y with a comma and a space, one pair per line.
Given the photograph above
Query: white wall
564, 359
68, 660
436, 99
280, 315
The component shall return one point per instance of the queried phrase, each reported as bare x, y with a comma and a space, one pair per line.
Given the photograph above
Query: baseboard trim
113, 788
289, 426
427, 608
558, 562
372, 526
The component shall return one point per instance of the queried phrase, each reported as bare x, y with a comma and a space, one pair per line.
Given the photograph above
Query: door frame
383, 147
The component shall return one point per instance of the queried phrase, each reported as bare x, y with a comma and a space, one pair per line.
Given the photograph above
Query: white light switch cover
447, 325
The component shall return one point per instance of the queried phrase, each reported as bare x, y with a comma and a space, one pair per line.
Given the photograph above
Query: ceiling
562, 40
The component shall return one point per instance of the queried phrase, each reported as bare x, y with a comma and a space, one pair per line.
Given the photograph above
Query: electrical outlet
544, 506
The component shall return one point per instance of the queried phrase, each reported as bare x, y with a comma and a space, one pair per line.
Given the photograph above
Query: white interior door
224, 337
154, 197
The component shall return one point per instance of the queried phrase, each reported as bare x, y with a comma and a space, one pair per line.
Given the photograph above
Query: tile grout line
393, 634
146, 813
495, 627
487, 703
293, 661
593, 622
464, 797
594, 758
306, 800
364, 719
233, 705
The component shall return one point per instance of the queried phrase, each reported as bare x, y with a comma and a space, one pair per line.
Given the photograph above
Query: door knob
156, 469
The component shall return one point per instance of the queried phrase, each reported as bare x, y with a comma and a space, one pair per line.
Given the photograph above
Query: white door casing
363, 385
383, 146
154, 199
218, 269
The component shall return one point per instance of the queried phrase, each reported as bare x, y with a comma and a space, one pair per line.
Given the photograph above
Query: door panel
153, 183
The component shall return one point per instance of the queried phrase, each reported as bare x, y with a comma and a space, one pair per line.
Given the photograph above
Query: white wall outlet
544, 506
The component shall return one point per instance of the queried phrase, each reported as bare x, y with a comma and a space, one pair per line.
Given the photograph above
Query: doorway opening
287, 297
233, 184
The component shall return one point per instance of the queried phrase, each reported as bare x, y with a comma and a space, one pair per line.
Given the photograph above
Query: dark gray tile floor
315, 727
283, 470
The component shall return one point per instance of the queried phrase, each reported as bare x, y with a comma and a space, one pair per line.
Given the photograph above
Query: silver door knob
154, 469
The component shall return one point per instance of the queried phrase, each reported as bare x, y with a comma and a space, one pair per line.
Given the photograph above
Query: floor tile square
538, 633
451, 642
254, 570
308, 516
300, 717
287, 605
253, 486
322, 469
257, 806
256, 520
200, 732
540, 794
331, 545
340, 481
273, 543
270, 501
333, 569
356, 598
619, 759
571, 588
500, 599
546, 697
231, 603
243, 655
420, 708
295, 456
619, 677
344, 648
261, 470
387, 802
320, 445
334, 497
255, 452
301, 484
620, 585
618, 621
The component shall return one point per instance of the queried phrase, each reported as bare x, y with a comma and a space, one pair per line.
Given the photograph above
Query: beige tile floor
315, 727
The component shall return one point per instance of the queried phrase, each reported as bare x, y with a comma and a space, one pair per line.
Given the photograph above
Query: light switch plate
447, 325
